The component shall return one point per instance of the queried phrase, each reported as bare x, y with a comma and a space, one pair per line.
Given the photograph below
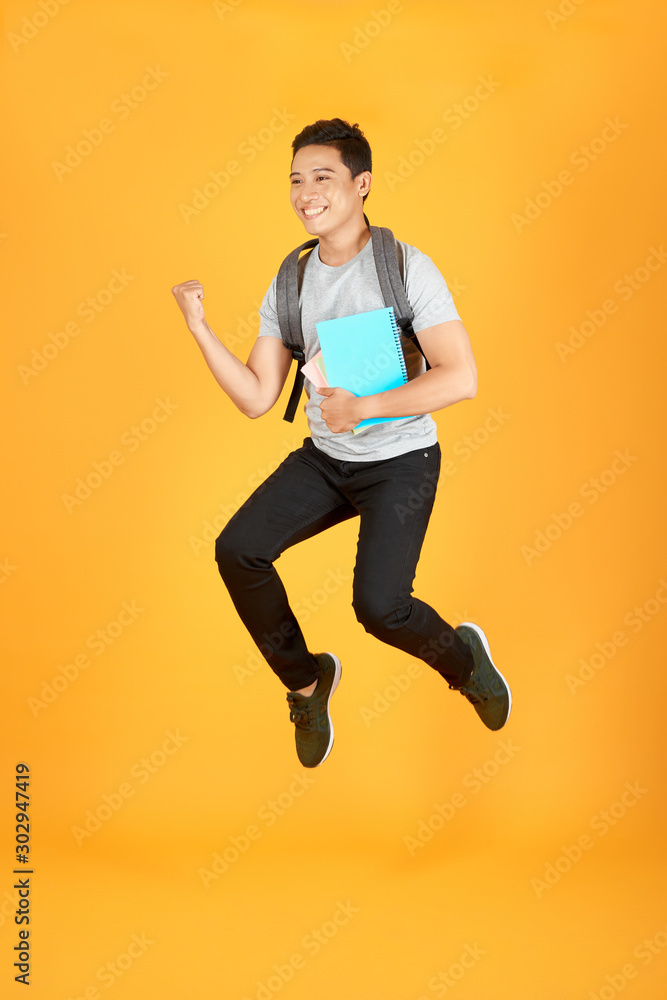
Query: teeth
312, 211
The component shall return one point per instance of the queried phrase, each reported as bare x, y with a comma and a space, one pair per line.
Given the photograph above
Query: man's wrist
200, 329
364, 407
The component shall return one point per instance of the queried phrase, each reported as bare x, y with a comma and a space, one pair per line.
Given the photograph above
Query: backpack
388, 254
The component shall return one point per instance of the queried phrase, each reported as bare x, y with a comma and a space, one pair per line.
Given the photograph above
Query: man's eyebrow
317, 170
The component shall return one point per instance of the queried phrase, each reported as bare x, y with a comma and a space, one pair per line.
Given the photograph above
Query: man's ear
365, 179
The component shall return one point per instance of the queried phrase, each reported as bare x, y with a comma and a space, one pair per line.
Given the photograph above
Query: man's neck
337, 249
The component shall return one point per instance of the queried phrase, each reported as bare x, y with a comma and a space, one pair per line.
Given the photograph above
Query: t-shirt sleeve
268, 313
427, 291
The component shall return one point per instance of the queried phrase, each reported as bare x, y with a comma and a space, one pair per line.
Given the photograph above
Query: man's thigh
296, 502
395, 510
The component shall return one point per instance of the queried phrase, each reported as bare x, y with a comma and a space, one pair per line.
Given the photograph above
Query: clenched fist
189, 295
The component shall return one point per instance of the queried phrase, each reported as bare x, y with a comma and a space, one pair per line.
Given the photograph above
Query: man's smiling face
322, 191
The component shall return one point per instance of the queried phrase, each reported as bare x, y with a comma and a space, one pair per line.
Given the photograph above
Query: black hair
349, 140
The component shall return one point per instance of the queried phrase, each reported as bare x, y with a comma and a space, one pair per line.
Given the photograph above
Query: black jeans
310, 492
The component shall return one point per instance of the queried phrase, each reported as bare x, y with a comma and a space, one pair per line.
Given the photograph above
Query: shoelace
303, 717
476, 697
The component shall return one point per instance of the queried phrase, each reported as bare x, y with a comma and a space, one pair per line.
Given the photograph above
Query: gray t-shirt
331, 292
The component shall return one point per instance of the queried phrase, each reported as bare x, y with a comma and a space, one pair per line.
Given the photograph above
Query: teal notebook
363, 354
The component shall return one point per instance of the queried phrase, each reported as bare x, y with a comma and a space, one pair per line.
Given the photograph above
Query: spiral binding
399, 346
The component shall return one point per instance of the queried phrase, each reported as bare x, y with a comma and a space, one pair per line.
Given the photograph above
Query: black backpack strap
390, 266
288, 286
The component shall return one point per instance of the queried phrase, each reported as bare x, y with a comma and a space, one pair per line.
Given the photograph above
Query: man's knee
240, 546
377, 614
228, 547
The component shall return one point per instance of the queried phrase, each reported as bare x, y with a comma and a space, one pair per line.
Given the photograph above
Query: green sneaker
314, 733
487, 690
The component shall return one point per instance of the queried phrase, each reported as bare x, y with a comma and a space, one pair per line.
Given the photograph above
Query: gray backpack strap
390, 268
288, 286
287, 298
388, 252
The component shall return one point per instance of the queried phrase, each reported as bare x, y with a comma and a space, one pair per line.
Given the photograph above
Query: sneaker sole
485, 643
336, 680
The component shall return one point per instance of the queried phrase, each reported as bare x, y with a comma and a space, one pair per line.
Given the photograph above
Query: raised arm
253, 387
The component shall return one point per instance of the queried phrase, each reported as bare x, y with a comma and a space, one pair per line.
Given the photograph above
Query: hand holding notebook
361, 353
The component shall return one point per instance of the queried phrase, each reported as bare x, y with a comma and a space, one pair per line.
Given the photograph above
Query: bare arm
253, 387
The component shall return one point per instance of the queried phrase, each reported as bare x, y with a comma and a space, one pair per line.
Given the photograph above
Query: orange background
395, 921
